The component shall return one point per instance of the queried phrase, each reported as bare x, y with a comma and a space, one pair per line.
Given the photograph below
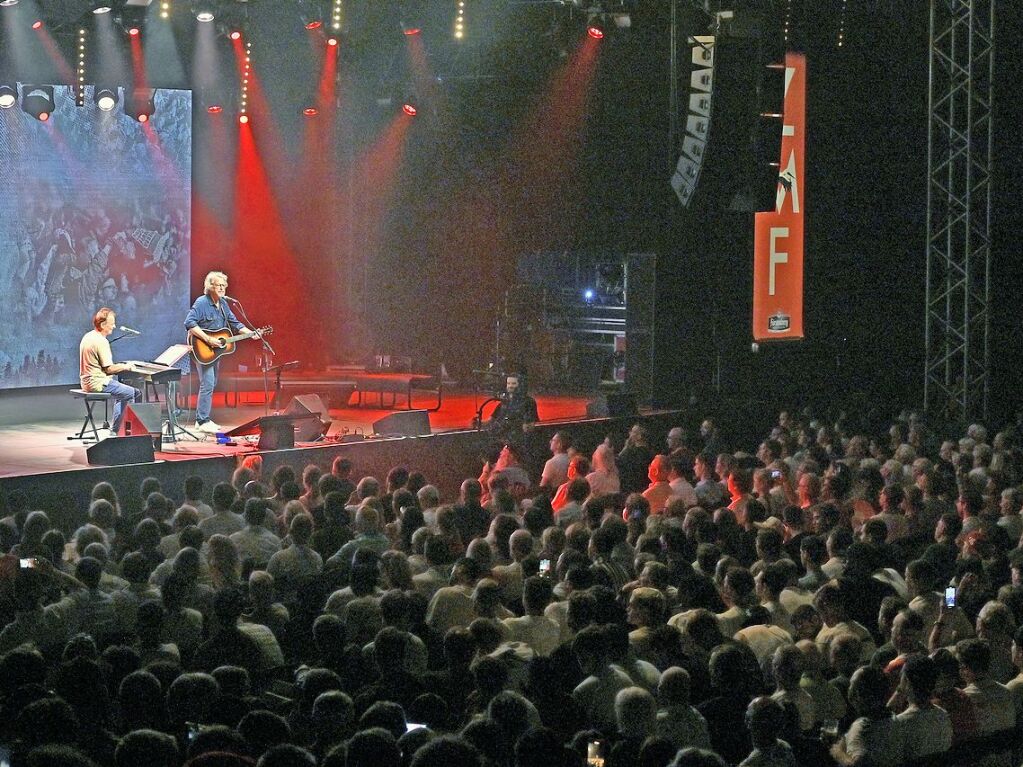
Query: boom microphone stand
268, 352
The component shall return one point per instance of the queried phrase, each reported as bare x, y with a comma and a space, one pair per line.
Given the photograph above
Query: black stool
89, 424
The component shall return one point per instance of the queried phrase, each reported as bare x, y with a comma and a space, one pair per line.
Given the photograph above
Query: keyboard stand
172, 429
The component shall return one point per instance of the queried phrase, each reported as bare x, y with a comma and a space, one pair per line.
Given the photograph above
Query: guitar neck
239, 337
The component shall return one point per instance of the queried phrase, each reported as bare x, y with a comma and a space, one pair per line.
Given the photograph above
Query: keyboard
152, 372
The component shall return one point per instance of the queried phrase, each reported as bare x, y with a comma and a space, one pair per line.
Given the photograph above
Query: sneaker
208, 427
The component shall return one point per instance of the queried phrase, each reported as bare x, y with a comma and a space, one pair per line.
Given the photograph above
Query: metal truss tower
959, 156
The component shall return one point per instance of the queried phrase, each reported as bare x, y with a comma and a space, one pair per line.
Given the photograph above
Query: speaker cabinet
612, 405
116, 451
406, 423
143, 418
307, 403
312, 416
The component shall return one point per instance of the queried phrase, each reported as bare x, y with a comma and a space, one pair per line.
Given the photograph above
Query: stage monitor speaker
143, 418
116, 451
314, 415
307, 403
613, 405
408, 423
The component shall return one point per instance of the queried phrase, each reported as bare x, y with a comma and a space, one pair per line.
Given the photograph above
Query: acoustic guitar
207, 354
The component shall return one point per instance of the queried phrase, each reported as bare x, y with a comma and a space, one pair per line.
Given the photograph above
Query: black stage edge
446, 459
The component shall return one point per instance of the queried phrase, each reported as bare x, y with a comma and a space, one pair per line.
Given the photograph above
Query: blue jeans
207, 382
122, 393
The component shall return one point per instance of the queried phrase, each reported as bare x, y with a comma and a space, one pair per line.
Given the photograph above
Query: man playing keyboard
97, 366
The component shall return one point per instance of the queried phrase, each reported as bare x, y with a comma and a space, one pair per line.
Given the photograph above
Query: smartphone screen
29, 563
595, 753
950, 596
545, 567
410, 726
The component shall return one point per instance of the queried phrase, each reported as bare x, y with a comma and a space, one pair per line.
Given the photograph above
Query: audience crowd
830, 597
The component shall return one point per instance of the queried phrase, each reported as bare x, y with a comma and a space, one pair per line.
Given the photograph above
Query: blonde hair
210, 277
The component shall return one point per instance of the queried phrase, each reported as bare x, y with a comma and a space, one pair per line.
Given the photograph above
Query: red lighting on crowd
236, 35
310, 111
332, 41
595, 32
314, 25
37, 24
215, 109
143, 118
243, 119
134, 31
410, 110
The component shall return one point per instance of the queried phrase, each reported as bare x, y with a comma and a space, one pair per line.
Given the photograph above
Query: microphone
229, 298
129, 331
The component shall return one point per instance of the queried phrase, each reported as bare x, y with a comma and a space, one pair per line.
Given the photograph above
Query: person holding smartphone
33, 623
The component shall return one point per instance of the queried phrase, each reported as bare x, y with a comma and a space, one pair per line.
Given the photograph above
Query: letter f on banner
778, 234
777, 256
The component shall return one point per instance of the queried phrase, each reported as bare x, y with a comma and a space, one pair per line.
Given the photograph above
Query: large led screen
95, 210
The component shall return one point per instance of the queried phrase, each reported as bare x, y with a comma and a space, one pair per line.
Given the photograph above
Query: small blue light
588, 294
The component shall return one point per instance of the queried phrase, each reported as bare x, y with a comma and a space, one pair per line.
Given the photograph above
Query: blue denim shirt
209, 317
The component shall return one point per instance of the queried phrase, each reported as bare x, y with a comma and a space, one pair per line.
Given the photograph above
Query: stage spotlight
203, 11
102, 9
595, 29
37, 100
37, 24
105, 98
311, 25
236, 35
133, 31
214, 109
7, 3
140, 103
8, 96
243, 119
410, 28
332, 41
310, 111
409, 109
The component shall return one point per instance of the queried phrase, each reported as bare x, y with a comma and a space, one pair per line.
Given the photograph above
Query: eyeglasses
218, 284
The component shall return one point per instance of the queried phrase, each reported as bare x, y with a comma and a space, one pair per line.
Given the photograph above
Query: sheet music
173, 354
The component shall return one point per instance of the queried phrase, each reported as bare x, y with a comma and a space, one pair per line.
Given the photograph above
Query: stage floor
43, 447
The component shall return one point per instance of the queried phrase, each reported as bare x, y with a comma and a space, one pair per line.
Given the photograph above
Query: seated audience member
927, 729
677, 720
659, 491
766, 718
876, 737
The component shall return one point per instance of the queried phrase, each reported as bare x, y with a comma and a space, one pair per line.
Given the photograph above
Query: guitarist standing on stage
210, 312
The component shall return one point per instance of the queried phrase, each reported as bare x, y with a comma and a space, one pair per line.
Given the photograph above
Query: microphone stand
268, 351
478, 419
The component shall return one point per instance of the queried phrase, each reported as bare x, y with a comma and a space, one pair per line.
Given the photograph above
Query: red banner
778, 234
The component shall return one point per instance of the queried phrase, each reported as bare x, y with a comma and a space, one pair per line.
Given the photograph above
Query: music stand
170, 357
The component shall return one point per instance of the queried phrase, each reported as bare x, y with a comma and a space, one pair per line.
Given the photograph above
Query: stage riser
446, 459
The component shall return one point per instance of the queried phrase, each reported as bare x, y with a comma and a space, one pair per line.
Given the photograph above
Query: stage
42, 447
38, 459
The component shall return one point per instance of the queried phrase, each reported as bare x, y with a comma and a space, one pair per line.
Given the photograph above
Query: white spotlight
204, 16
